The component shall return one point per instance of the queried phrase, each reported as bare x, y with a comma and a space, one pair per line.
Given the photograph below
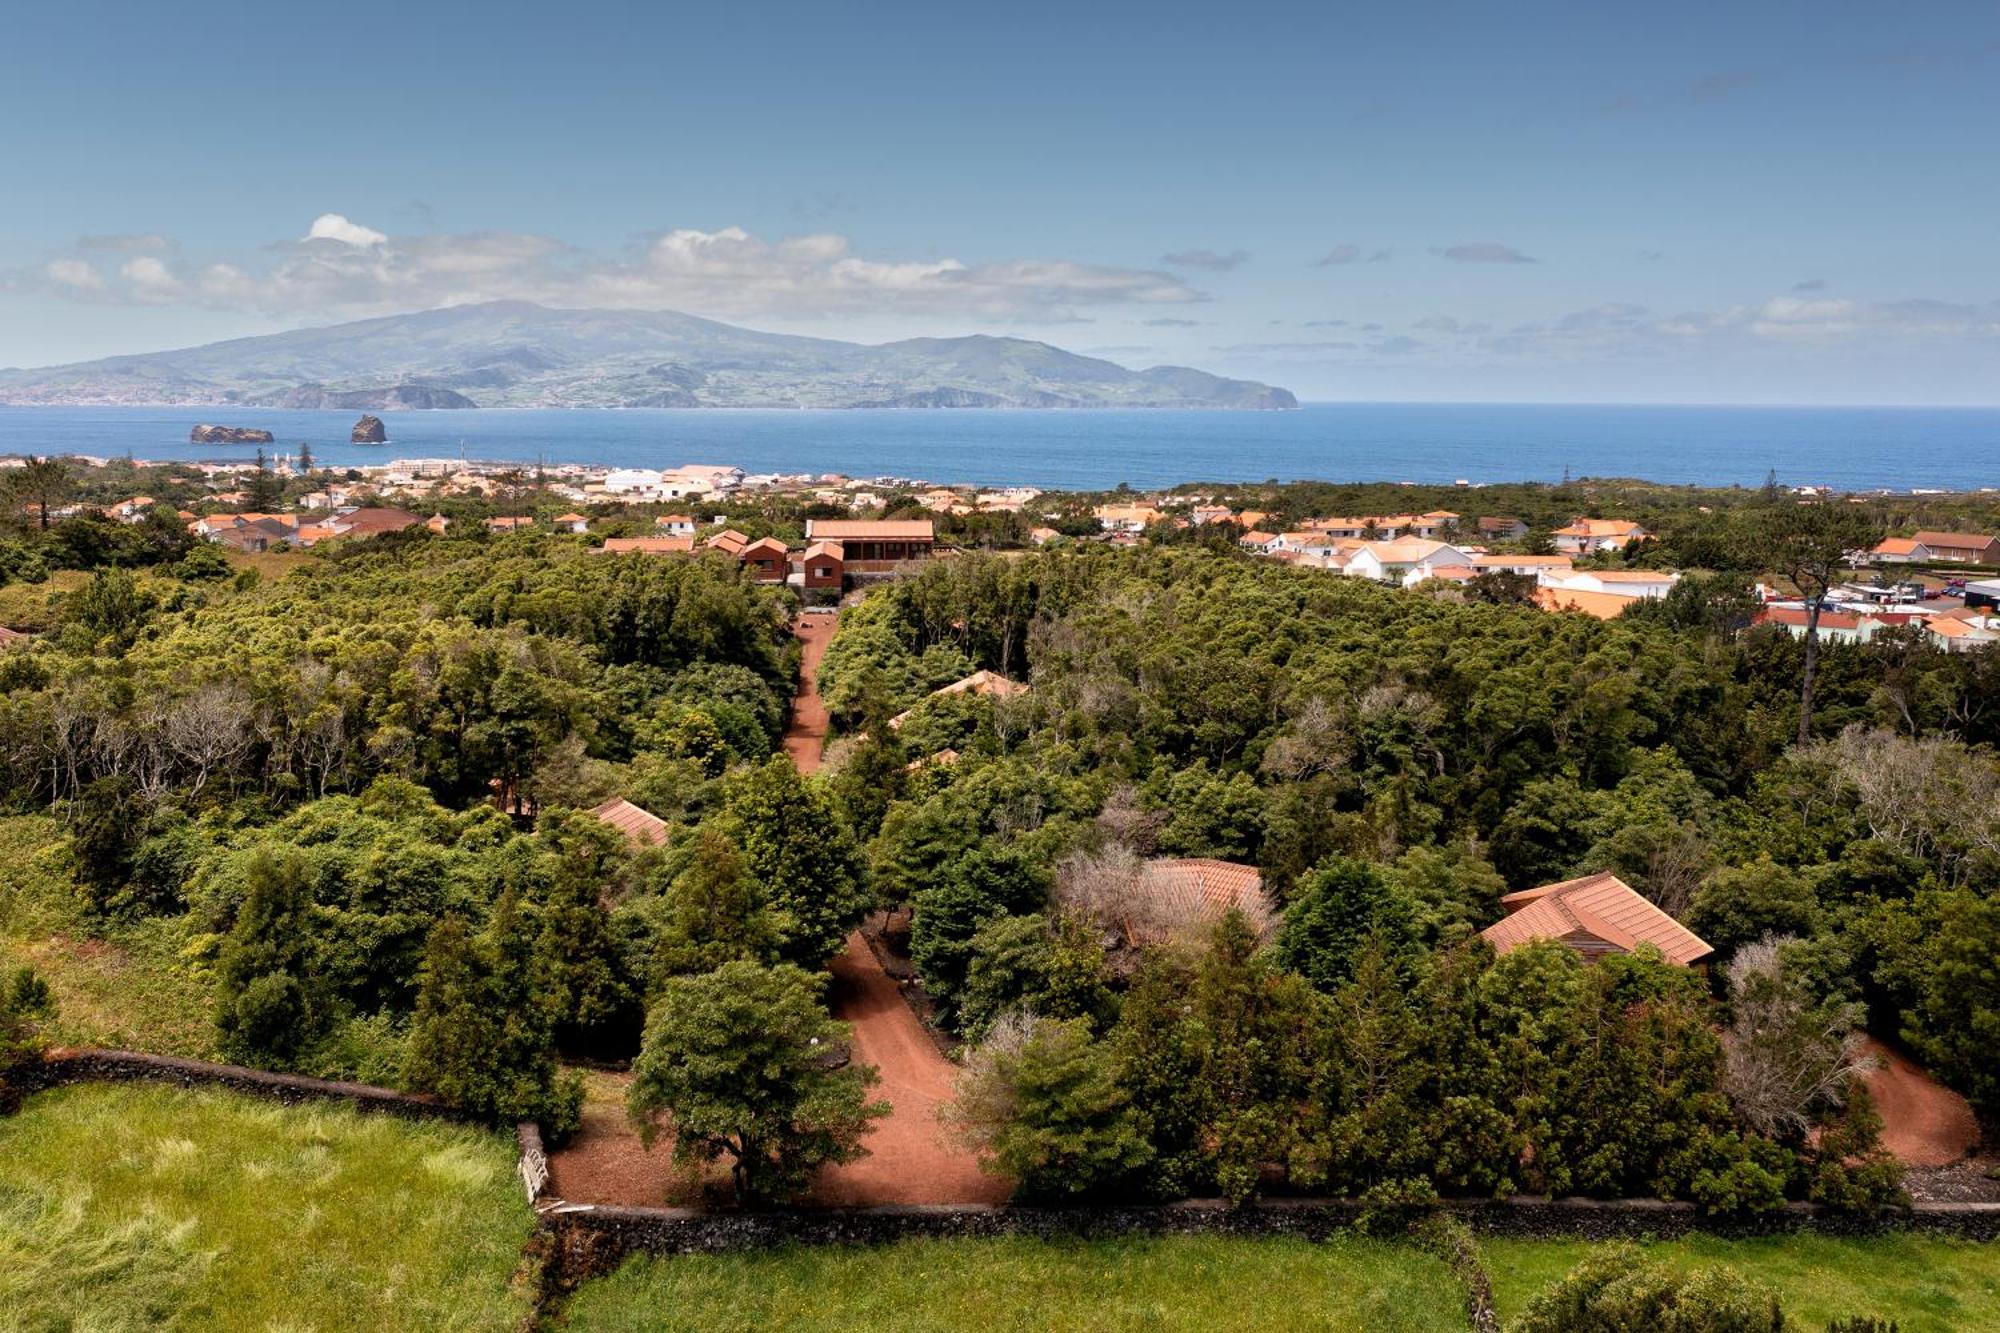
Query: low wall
61, 1067
588, 1240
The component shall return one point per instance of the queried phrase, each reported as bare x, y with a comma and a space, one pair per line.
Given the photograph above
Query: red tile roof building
1184, 896
1594, 915
640, 826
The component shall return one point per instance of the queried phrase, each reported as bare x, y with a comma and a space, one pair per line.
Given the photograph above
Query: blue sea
1848, 448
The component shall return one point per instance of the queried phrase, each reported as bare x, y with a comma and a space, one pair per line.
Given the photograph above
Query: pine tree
271, 1002
484, 1034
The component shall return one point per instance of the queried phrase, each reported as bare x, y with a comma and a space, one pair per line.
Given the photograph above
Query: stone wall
588, 1240
61, 1067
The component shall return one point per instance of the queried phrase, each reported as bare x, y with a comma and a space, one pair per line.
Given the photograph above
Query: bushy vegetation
133, 1207
345, 808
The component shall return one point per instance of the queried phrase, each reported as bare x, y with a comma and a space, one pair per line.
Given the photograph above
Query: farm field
1193, 1282
134, 1206
1926, 1285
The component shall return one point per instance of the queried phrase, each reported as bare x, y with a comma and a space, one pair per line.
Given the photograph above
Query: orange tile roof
871, 529
988, 683
1895, 546
1601, 907
646, 545
1958, 541
1541, 561
1603, 605
640, 826
1192, 892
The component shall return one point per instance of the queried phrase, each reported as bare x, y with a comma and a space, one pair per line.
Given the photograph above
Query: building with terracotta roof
1834, 626
990, 684
1964, 631
824, 566
637, 825
728, 541
646, 546
1961, 548
509, 523
1180, 897
1589, 536
1405, 560
1126, 518
370, 521
1900, 551
1594, 915
1602, 605
767, 559
876, 545
572, 523
1502, 528
676, 525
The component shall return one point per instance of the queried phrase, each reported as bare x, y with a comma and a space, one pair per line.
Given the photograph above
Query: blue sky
1748, 202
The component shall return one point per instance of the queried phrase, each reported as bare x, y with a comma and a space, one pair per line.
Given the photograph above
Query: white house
1406, 560
1588, 536
1624, 582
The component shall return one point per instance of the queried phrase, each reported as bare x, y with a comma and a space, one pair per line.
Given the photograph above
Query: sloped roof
871, 529
646, 545
1601, 905
640, 826
729, 539
826, 550
989, 683
1603, 605
1192, 892
1956, 540
1537, 561
10, 637
1896, 546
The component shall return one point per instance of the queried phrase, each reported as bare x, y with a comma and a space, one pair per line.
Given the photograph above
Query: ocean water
1849, 448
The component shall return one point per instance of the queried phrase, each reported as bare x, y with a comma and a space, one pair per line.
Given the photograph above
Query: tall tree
798, 848
735, 1065
484, 1033
1811, 545
41, 483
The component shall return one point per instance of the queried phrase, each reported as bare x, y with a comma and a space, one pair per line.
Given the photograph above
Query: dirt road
805, 734
908, 1160
1924, 1123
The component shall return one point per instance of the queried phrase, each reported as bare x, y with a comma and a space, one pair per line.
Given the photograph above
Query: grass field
127, 986
1168, 1283
131, 1206
1927, 1286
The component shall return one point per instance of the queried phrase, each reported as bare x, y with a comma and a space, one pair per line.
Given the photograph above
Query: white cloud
150, 282
334, 227
75, 274
341, 269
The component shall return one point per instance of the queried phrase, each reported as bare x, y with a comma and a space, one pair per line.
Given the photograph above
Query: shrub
1619, 1289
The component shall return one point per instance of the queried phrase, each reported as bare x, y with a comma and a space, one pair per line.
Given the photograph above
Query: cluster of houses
1407, 549
836, 554
1958, 619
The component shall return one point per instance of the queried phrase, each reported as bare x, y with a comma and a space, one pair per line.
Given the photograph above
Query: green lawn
128, 987
1927, 1286
1169, 1283
135, 1206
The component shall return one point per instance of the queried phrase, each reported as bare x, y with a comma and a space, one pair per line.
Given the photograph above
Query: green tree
1054, 969
1044, 1105
735, 1064
43, 484
981, 885
715, 911
1335, 908
576, 949
1739, 905
271, 997
483, 1037
1811, 545
25, 1003
798, 848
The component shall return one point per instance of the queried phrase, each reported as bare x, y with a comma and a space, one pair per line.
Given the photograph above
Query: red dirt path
805, 736
908, 1159
1924, 1123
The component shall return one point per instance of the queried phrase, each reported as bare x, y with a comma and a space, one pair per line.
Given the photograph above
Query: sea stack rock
369, 430
228, 435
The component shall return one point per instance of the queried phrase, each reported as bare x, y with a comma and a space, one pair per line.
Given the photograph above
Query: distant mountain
516, 354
